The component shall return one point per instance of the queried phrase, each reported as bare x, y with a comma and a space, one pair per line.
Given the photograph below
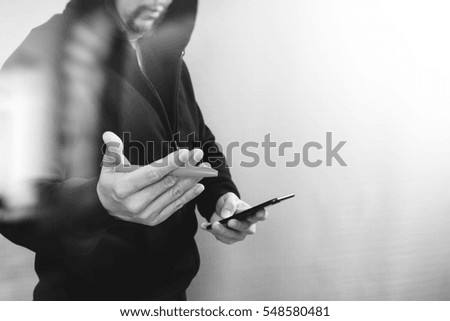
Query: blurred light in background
17, 277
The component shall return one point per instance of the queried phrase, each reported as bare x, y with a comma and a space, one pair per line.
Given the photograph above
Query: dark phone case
252, 211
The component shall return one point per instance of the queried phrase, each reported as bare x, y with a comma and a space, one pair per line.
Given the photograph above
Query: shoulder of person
40, 46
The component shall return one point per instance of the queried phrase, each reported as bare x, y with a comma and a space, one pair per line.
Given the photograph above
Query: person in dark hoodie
127, 236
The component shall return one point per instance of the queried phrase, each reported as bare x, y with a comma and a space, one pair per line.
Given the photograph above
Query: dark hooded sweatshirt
82, 253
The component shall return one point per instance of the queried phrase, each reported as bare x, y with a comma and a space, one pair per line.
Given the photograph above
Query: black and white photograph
293, 152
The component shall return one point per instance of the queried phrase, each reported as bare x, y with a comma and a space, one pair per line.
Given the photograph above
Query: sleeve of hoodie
218, 186
69, 219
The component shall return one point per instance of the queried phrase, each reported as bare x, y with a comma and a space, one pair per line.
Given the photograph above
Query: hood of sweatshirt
169, 38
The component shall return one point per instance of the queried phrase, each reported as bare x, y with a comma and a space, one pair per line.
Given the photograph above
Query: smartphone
252, 211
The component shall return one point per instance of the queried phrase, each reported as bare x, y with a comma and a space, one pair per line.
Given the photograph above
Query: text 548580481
296, 311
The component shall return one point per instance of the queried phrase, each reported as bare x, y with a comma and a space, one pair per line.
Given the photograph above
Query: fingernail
198, 155
226, 213
183, 155
199, 189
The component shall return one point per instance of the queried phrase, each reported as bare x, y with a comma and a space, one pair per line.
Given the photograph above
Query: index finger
150, 174
259, 216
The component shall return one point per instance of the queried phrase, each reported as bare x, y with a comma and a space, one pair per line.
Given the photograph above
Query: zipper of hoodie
155, 92
177, 88
152, 87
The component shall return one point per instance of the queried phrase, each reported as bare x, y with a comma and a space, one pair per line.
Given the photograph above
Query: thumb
113, 156
229, 207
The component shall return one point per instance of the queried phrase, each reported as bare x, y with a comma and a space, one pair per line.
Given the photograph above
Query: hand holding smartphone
252, 211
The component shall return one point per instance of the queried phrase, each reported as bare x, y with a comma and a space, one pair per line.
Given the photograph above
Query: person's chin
143, 26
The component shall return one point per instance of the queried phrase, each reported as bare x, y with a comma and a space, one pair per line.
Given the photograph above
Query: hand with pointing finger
149, 195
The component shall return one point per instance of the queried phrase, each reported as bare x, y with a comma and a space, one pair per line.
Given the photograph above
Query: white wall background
19, 17
376, 74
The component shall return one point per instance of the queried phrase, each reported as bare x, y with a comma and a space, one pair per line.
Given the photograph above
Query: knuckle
154, 175
169, 181
119, 192
184, 199
159, 218
148, 215
142, 217
179, 204
177, 191
128, 183
129, 207
149, 220
134, 207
